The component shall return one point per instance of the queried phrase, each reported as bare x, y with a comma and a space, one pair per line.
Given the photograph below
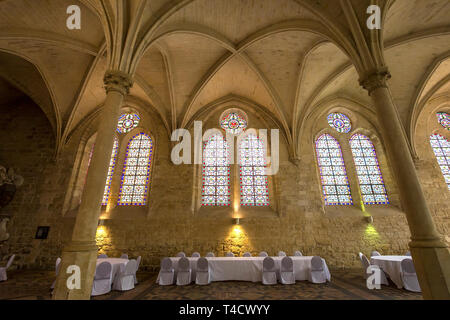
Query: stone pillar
82, 250
430, 254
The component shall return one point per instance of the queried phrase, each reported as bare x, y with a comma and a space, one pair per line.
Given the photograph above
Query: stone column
430, 254
82, 250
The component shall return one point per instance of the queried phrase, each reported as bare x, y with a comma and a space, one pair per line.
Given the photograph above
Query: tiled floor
345, 285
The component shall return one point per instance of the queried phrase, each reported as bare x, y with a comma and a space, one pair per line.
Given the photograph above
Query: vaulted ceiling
286, 56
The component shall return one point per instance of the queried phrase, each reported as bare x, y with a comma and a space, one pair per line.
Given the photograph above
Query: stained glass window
112, 165
441, 148
370, 179
444, 119
340, 122
216, 172
335, 186
233, 123
127, 122
254, 189
136, 171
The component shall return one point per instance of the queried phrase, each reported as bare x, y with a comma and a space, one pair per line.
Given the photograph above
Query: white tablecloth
118, 265
391, 265
248, 268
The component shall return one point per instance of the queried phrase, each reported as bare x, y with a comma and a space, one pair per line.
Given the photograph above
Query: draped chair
269, 274
57, 265
3, 275
318, 274
167, 273
281, 254
287, 275
102, 279
409, 276
125, 279
184, 272
138, 261
203, 275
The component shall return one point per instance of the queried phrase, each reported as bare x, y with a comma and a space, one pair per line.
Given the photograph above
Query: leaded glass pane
233, 123
127, 122
216, 172
335, 187
136, 171
369, 174
254, 186
112, 164
444, 119
340, 122
441, 148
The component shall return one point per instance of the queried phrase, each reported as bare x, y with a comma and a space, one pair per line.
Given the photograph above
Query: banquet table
118, 265
391, 265
248, 268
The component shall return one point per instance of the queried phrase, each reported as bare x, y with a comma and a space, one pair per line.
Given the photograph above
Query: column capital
117, 81
375, 79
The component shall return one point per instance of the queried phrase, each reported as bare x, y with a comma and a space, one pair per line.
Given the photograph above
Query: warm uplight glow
371, 234
237, 241
237, 230
101, 232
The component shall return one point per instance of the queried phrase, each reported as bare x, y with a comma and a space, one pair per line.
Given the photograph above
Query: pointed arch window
254, 186
216, 172
441, 148
368, 170
112, 165
335, 186
136, 171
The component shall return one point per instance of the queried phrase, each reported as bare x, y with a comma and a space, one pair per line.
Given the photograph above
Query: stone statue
9, 182
3, 234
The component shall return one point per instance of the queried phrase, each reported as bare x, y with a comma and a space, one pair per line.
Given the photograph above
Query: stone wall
169, 224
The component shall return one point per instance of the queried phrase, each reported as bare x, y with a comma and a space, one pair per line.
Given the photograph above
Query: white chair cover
125, 280
167, 273
281, 254
102, 279
196, 255
409, 276
124, 256
375, 253
210, 254
247, 254
57, 265
298, 254
184, 272
181, 254
137, 268
366, 263
3, 275
269, 274
230, 254
317, 270
102, 256
203, 276
408, 254
263, 254
287, 275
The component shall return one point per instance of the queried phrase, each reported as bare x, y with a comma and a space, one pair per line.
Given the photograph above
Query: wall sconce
369, 219
237, 221
101, 222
